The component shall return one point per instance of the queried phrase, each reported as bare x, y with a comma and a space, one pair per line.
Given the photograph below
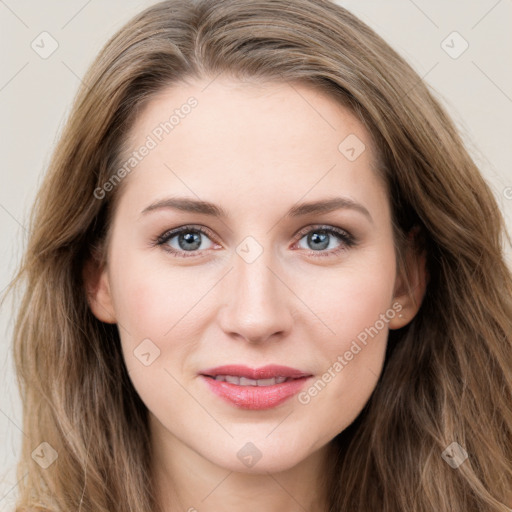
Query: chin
261, 456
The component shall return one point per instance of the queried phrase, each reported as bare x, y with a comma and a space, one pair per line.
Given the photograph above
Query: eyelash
346, 238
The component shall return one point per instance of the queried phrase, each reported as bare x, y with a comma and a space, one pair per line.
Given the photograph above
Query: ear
97, 287
411, 283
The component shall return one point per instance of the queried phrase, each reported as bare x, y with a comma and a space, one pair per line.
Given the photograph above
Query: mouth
244, 381
255, 389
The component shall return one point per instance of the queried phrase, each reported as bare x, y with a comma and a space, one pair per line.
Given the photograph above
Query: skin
256, 150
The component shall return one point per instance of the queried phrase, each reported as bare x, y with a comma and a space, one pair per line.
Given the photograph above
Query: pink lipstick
255, 388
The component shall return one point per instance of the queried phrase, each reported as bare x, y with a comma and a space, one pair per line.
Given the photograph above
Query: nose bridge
257, 304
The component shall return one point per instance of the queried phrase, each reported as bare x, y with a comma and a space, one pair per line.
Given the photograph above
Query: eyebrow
298, 210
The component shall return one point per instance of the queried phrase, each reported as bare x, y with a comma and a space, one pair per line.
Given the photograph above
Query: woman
337, 336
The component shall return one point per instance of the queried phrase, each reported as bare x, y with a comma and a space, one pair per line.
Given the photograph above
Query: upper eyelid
171, 233
320, 227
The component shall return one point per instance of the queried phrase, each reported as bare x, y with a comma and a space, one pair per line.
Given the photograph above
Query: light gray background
36, 94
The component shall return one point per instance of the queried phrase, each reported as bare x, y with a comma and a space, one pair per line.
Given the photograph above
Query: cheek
151, 306
355, 306
150, 299
353, 297
158, 307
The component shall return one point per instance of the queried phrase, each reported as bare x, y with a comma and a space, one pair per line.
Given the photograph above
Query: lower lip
255, 397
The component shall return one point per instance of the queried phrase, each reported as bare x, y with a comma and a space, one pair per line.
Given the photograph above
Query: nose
258, 301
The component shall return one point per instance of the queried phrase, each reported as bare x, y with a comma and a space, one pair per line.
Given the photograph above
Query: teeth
243, 381
248, 382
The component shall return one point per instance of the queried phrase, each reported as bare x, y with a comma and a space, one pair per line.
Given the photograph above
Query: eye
187, 239
321, 238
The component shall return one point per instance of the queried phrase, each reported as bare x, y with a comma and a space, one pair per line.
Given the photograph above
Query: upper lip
264, 372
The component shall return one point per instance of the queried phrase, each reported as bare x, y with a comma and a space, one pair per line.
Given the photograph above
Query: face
255, 277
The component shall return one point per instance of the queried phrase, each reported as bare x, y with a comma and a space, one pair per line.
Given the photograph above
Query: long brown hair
448, 374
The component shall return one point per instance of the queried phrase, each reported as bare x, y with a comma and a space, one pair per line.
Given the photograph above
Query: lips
254, 388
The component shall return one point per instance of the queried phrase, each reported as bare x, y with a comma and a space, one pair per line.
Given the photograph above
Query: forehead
278, 111
255, 139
